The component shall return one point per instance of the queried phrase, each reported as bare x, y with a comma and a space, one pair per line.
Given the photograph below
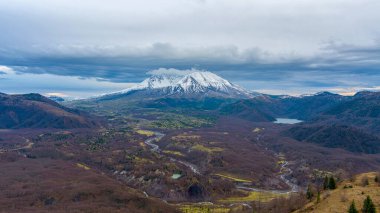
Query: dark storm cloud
341, 61
262, 44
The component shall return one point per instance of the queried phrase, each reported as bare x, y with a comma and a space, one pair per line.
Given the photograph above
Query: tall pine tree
368, 206
309, 193
326, 183
319, 196
352, 208
332, 183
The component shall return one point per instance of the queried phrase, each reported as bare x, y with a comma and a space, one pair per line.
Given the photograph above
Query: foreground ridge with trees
354, 195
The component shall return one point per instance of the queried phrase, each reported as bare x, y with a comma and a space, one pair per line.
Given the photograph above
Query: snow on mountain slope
202, 82
160, 81
196, 83
153, 82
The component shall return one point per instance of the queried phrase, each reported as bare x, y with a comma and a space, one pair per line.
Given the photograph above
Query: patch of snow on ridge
159, 81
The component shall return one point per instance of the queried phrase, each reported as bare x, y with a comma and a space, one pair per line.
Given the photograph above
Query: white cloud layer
6, 70
62, 86
281, 27
172, 71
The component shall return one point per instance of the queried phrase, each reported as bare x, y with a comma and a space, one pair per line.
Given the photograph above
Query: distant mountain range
37, 111
331, 120
56, 98
207, 91
303, 108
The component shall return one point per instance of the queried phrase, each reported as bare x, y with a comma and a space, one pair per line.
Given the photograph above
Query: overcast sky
88, 47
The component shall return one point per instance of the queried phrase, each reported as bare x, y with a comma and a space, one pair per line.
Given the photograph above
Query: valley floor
232, 166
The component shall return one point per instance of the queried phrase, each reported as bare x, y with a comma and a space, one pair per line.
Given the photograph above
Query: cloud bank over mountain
292, 46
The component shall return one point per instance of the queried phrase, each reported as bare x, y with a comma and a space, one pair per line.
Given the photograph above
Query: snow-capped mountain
196, 84
200, 81
155, 82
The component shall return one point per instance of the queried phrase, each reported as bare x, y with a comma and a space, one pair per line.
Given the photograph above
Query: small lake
176, 176
287, 121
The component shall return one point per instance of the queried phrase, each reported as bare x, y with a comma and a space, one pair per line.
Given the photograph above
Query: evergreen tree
309, 193
366, 182
332, 184
352, 208
326, 183
368, 206
318, 196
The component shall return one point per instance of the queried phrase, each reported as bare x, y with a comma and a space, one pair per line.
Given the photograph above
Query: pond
287, 121
176, 176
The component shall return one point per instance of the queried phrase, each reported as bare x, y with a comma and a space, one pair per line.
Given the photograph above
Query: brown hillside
37, 111
339, 200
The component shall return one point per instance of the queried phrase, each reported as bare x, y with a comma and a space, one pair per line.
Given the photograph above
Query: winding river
285, 170
155, 148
